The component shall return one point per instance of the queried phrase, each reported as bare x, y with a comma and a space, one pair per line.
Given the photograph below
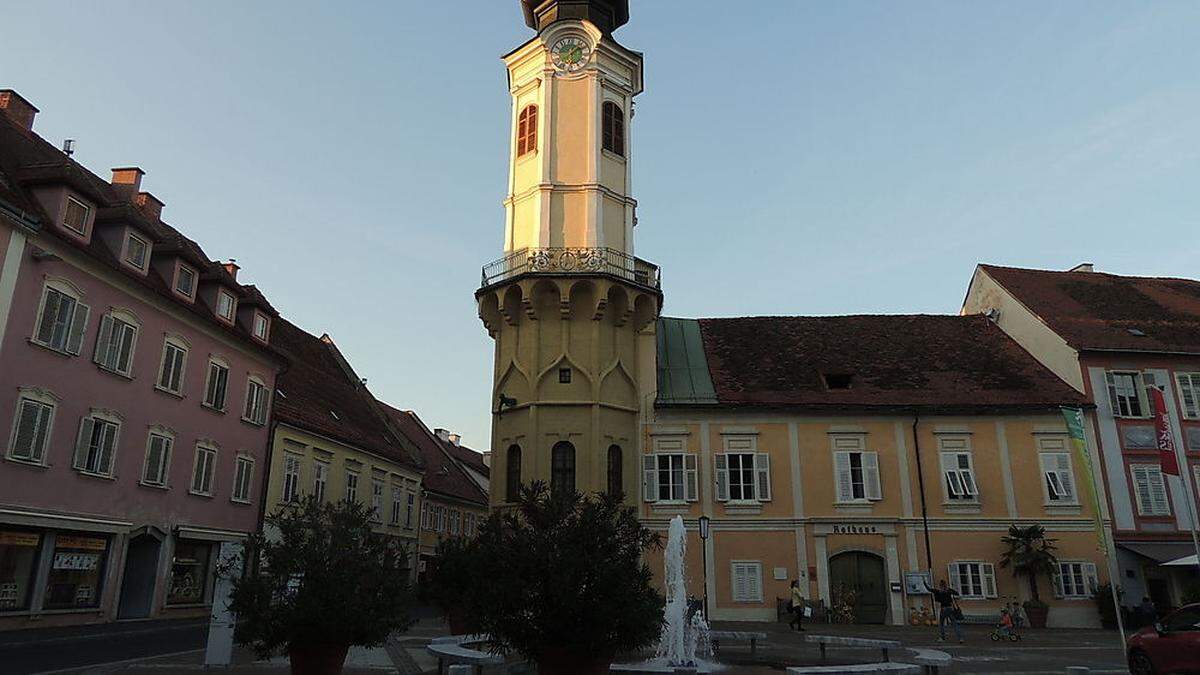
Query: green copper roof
682, 369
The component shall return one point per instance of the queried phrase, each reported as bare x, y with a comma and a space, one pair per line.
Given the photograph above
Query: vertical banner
1164, 440
1074, 417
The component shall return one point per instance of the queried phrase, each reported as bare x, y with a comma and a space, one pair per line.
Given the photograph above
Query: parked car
1171, 645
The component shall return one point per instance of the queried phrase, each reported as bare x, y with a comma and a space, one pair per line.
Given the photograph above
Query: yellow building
332, 439
855, 452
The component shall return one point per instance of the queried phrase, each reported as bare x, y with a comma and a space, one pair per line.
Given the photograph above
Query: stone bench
853, 642
890, 668
715, 637
931, 660
450, 651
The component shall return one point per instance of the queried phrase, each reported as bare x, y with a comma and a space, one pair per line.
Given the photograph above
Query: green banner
1074, 417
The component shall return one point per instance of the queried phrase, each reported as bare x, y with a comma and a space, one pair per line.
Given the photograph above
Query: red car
1170, 646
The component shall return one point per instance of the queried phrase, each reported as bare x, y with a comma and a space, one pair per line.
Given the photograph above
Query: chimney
17, 108
127, 181
231, 267
149, 204
443, 434
1083, 267
455, 439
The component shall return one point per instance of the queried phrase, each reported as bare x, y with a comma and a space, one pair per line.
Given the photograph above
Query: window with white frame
261, 326
136, 250
97, 443
425, 515
1075, 579
408, 510
243, 472
174, 363
747, 580
455, 522
216, 387
669, 477
291, 477
1149, 490
1189, 391
62, 319
856, 471
377, 501
185, 281
75, 216
742, 473
320, 478
351, 486
1057, 476
203, 470
974, 580
32, 423
1127, 393
958, 469
158, 459
397, 500
256, 402
115, 342
226, 305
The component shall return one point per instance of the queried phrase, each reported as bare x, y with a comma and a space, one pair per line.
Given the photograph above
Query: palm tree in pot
320, 580
1030, 553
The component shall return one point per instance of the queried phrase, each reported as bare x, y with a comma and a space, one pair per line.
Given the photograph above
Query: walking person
796, 603
947, 599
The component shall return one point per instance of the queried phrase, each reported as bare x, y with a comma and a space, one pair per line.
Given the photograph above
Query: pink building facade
135, 385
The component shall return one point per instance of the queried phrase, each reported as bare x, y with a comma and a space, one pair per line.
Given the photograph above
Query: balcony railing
571, 261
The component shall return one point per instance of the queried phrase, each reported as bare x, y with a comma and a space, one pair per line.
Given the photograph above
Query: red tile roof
467, 456
936, 363
316, 393
443, 476
1094, 310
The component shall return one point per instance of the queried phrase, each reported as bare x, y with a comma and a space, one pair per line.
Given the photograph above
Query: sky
789, 157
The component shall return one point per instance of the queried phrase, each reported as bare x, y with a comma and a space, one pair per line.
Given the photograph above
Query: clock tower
571, 309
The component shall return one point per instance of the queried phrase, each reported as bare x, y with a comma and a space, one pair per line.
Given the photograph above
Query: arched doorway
862, 573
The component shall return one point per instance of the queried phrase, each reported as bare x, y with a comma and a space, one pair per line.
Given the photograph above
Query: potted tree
320, 581
1104, 604
1029, 553
447, 588
566, 585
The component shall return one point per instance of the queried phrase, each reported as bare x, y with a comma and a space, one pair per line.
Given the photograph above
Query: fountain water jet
684, 640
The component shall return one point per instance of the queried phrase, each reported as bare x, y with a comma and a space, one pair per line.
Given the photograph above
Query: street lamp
704, 560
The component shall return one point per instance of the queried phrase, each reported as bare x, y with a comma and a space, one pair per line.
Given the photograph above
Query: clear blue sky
790, 157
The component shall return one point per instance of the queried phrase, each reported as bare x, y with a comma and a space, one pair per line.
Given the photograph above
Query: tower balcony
572, 260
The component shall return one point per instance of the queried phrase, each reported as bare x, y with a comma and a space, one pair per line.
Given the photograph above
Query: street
39, 650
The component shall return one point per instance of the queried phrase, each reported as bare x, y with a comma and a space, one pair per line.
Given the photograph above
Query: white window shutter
722, 465
754, 587
1141, 489
871, 475
1063, 466
1056, 579
108, 444
1089, 573
85, 438
649, 478
104, 342
762, 469
27, 425
952, 570
50, 304
78, 328
841, 465
1158, 491
690, 480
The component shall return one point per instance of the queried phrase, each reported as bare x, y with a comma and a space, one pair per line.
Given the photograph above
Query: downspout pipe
921, 487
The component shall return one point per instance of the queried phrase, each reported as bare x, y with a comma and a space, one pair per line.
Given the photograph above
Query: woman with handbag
796, 605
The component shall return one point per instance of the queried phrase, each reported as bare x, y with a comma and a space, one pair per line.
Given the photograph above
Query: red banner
1164, 439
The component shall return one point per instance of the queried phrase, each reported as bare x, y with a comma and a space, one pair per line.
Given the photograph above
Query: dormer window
136, 251
226, 305
261, 326
185, 281
75, 217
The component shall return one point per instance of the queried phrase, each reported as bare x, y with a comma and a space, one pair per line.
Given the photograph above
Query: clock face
570, 54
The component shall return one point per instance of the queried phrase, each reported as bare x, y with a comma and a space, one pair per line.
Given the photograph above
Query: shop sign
85, 543
76, 561
854, 529
19, 539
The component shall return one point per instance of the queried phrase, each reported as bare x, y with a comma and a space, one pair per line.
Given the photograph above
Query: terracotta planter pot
1037, 616
564, 662
317, 658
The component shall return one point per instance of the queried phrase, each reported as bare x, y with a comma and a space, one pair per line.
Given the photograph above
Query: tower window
562, 468
564, 376
512, 483
614, 128
527, 130
615, 477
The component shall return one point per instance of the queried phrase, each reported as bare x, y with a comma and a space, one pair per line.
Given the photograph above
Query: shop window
76, 571
189, 573
18, 560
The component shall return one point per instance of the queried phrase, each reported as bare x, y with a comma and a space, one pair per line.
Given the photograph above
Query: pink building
135, 381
